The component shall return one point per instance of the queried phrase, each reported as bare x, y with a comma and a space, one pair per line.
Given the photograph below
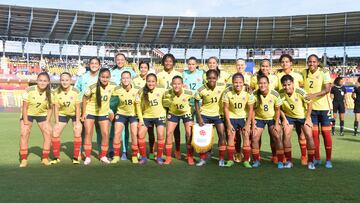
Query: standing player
164, 79
209, 111
236, 99
267, 112
356, 96
286, 62
193, 79
36, 106
125, 114
151, 111
337, 94
96, 108
296, 111
213, 64
317, 84
140, 82
66, 107
240, 68
177, 100
116, 71
82, 83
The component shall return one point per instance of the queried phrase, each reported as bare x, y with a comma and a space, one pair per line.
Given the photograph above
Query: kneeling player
235, 100
293, 112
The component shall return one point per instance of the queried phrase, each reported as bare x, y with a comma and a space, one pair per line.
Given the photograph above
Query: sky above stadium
200, 7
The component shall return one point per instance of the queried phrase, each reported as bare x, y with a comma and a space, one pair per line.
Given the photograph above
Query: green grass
178, 182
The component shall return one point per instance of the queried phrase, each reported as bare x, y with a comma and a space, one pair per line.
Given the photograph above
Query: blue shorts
125, 119
150, 122
237, 123
38, 119
174, 118
263, 123
323, 117
295, 121
97, 118
65, 119
212, 119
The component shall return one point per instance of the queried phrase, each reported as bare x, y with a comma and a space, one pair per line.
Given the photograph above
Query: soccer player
236, 99
66, 107
267, 112
209, 111
296, 111
125, 114
356, 96
317, 83
140, 79
116, 71
240, 67
286, 62
193, 79
151, 111
95, 109
213, 64
337, 94
164, 79
265, 69
82, 83
37, 105
177, 100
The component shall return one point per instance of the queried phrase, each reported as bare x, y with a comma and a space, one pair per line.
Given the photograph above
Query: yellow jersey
67, 101
152, 109
237, 102
127, 98
265, 106
210, 99
298, 79
164, 78
225, 78
313, 83
273, 82
139, 81
92, 108
38, 105
179, 105
294, 106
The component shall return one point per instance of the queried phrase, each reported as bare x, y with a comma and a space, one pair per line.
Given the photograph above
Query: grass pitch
178, 182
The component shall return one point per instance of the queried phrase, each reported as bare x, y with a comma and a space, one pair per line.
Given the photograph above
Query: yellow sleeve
198, 95
225, 98
251, 99
88, 92
326, 76
278, 101
25, 96
138, 107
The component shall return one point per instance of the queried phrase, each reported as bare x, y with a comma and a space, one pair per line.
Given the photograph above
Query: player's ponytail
98, 85
47, 89
146, 89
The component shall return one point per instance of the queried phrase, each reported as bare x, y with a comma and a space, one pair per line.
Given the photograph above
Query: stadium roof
95, 28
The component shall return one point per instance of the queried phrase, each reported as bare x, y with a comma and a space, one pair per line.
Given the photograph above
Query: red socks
230, 150
287, 152
142, 147
256, 154
135, 150
160, 148
87, 148
116, 147
222, 150
302, 143
280, 155
45, 153
190, 150
315, 134
168, 150
77, 146
23, 154
246, 153
104, 149
55, 142
311, 153
325, 130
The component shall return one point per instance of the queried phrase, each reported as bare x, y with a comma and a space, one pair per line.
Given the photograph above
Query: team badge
317, 77
296, 100
198, 80
184, 100
158, 95
219, 92
243, 98
270, 101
